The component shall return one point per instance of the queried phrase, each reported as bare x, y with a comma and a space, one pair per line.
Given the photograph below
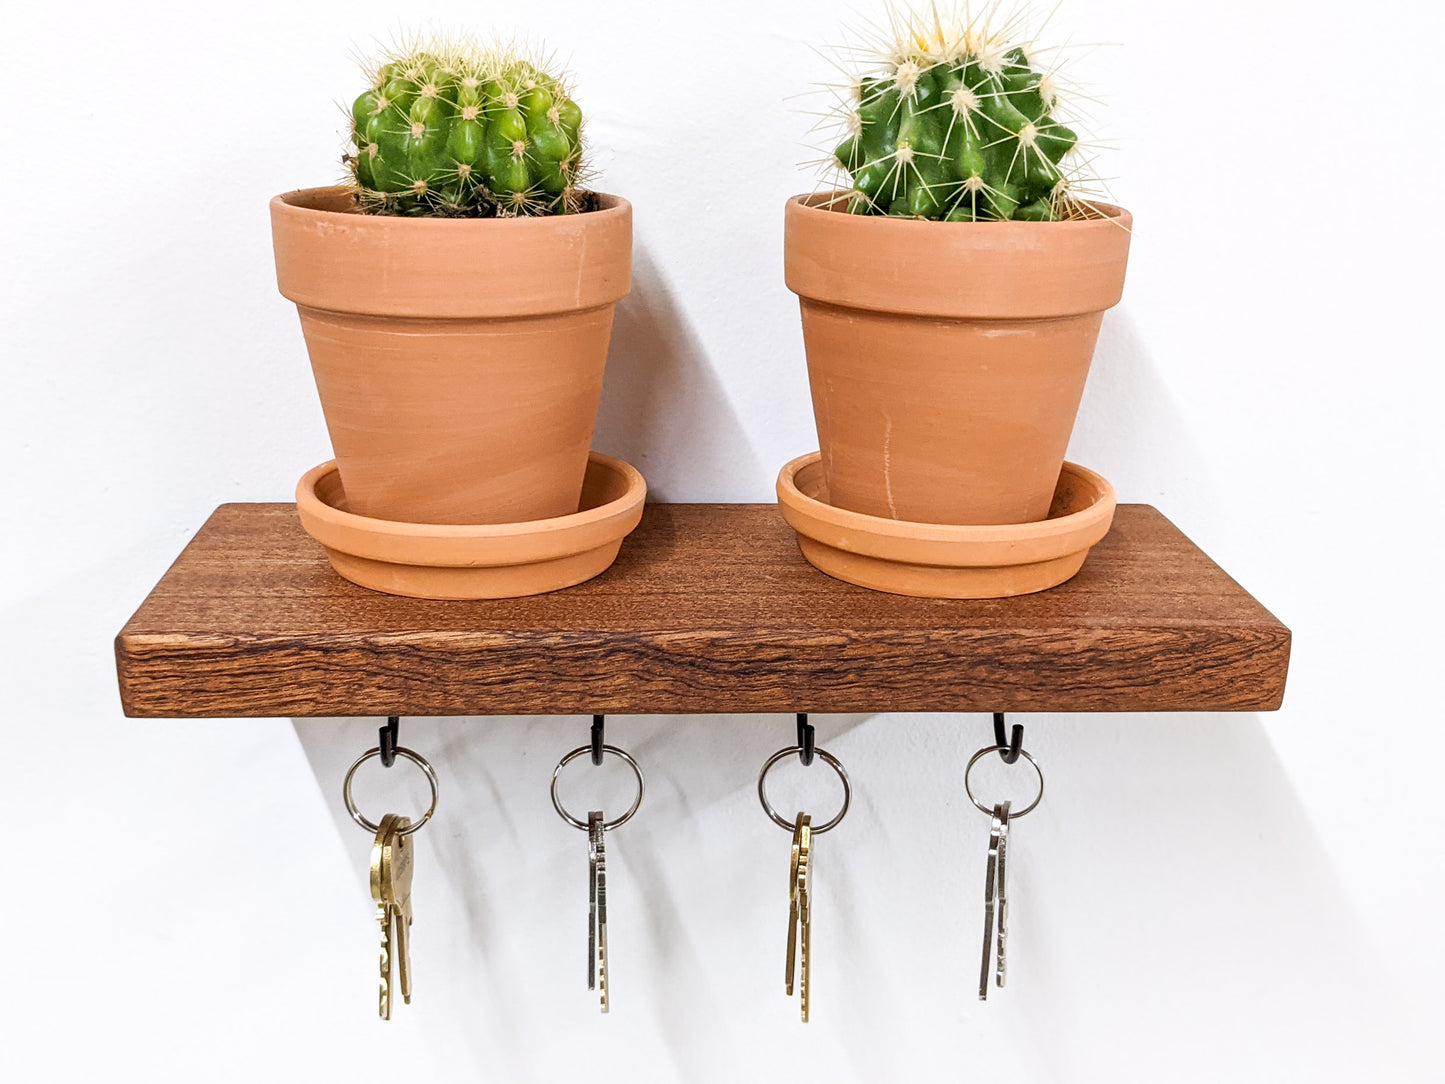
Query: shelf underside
710, 608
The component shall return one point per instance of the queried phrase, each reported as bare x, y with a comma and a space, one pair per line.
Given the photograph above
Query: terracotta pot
459, 361
947, 359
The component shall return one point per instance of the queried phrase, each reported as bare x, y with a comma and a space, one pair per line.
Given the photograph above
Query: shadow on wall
1131, 431
1171, 878
663, 409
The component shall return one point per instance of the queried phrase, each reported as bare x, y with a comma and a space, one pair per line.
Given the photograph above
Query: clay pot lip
946, 544
294, 204
954, 270
806, 203
332, 259
473, 545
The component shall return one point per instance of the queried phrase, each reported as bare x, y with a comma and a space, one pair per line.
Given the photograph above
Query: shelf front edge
1096, 670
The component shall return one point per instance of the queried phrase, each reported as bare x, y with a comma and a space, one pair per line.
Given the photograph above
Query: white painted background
1207, 897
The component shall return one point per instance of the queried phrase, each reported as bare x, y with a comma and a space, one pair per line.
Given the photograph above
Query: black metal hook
806, 739
1009, 746
598, 721
387, 738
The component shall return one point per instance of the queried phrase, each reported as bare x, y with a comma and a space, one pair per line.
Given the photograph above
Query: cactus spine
958, 125
451, 129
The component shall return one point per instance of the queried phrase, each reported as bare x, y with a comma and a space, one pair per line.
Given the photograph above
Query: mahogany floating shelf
709, 609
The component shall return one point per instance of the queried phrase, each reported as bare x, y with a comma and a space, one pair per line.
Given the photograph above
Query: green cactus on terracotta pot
451, 129
956, 122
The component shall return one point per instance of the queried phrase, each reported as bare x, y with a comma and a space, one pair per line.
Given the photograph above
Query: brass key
383, 911
799, 913
792, 959
396, 874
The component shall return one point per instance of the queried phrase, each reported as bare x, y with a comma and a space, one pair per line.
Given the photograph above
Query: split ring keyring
587, 750
827, 758
1024, 753
415, 758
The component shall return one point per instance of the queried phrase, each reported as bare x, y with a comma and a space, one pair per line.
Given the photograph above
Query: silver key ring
832, 762
988, 809
415, 758
573, 755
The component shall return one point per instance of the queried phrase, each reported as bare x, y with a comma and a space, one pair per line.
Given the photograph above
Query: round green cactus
453, 130
958, 126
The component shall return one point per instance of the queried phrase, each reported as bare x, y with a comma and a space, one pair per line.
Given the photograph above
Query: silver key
1001, 943
995, 899
597, 907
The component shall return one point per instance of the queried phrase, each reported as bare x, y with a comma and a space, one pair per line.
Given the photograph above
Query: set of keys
391, 874
800, 913
596, 826
391, 871
798, 971
995, 880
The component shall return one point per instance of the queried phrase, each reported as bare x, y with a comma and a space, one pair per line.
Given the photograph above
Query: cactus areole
455, 130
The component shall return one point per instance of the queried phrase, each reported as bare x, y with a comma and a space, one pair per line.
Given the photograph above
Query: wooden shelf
709, 609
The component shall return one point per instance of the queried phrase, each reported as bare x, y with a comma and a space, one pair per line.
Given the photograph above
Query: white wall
1199, 897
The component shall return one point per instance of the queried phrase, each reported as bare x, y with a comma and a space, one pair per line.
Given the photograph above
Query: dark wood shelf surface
710, 608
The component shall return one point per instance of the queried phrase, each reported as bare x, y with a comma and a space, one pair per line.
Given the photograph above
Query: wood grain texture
709, 609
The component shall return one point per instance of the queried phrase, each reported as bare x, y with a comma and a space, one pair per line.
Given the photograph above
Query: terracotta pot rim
962, 270
311, 505
947, 543
333, 259
290, 203
807, 203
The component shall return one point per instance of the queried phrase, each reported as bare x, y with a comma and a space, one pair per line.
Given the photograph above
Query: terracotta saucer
937, 560
494, 560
